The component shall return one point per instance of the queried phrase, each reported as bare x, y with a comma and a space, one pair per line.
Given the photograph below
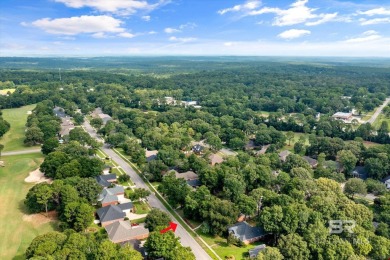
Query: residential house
190, 177
256, 250
246, 233
122, 231
110, 214
215, 159
360, 172
98, 113
342, 116
194, 183
313, 162
283, 155
66, 126
111, 196
151, 155
198, 149
188, 103
334, 165
126, 207
386, 181
106, 180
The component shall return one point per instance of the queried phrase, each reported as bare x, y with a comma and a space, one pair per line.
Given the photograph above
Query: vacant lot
17, 229
17, 117
5, 91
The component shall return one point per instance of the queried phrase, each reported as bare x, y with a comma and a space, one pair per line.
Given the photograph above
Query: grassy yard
221, 247
296, 139
16, 233
141, 208
17, 117
379, 121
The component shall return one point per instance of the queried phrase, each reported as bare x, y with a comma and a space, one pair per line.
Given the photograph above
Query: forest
256, 109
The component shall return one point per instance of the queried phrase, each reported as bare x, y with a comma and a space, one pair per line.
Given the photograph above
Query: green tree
128, 253
347, 159
45, 245
376, 168
49, 145
167, 246
52, 162
96, 122
88, 189
78, 215
1, 148
156, 218
39, 198
175, 189
290, 137
270, 253
293, 247
34, 136
355, 186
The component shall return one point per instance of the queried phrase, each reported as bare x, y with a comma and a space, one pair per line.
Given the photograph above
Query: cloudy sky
195, 27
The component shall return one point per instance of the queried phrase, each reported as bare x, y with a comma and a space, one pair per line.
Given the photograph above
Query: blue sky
195, 27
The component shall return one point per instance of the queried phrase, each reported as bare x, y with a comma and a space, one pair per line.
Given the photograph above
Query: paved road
378, 111
185, 238
21, 152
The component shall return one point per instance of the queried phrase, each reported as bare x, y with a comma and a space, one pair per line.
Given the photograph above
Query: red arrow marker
172, 226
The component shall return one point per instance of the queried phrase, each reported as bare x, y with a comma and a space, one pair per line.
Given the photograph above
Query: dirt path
26, 151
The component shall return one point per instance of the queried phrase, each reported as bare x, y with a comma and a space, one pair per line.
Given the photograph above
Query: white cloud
183, 40
228, 44
367, 36
325, 18
126, 35
181, 27
376, 11
146, 18
171, 30
80, 24
249, 5
293, 33
99, 35
374, 21
296, 14
120, 7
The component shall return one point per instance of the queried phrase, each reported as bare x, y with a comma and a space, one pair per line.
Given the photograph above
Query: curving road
378, 111
21, 152
185, 238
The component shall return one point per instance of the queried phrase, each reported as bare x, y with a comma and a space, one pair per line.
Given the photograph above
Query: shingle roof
194, 183
103, 180
311, 161
256, 250
109, 213
108, 199
215, 158
283, 154
122, 231
243, 231
126, 206
188, 175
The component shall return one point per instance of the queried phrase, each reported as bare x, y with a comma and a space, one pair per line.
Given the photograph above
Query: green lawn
379, 121
17, 117
221, 247
16, 233
296, 139
141, 208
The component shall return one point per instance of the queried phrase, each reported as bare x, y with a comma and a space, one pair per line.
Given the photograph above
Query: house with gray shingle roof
110, 214
283, 155
246, 233
313, 162
106, 180
122, 231
109, 196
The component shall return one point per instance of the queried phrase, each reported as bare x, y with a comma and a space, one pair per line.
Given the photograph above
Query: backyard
17, 117
17, 228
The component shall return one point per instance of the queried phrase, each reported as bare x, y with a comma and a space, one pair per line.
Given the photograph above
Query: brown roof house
313, 162
190, 177
283, 155
122, 231
246, 233
215, 159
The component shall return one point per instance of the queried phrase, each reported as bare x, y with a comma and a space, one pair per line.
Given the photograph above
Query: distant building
343, 116
198, 149
283, 155
215, 159
313, 162
170, 101
106, 180
98, 113
188, 103
386, 181
360, 172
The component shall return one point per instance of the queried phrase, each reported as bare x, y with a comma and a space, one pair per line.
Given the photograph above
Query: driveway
185, 238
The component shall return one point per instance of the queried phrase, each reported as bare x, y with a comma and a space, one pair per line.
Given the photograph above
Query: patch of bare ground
41, 218
37, 177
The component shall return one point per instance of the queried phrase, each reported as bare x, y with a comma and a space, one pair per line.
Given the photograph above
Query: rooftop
109, 213
243, 231
121, 231
256, 250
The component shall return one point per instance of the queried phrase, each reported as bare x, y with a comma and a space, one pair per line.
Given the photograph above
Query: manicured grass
296, 139
13, 139
141, 208
15, 233
5, 91
139, 220
381, 118
221, 247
